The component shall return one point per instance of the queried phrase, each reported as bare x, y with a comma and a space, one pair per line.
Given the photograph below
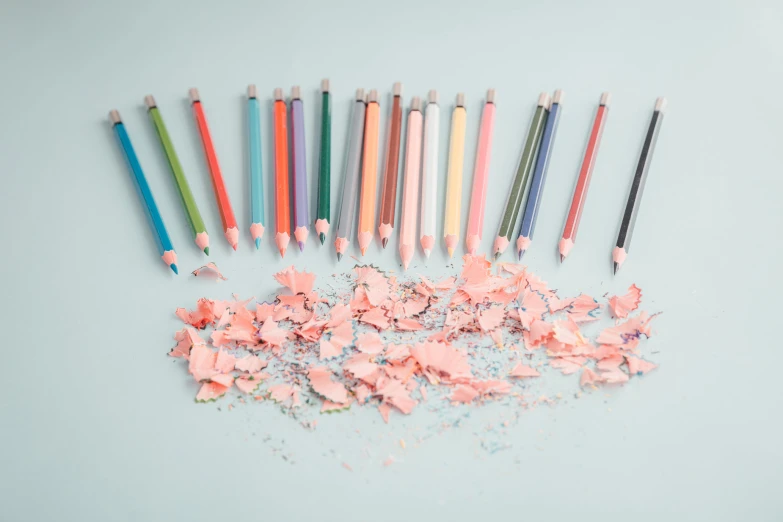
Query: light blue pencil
165, 248
256, 178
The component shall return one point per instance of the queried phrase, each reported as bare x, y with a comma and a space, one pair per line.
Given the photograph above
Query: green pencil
191, 210
526, 162
323, 214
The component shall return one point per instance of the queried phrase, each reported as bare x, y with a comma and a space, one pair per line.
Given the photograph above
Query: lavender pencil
299, 156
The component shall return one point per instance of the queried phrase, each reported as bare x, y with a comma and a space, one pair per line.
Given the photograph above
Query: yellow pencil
454, 183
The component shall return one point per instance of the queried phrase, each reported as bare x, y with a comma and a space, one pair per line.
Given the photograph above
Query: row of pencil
420, 176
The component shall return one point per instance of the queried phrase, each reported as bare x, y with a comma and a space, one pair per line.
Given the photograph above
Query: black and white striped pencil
620, 251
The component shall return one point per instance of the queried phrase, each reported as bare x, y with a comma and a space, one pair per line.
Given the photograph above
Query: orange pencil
282, 204
369, 172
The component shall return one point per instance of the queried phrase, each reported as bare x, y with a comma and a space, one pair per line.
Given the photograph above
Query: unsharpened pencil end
461, 99
325, 85
278, 94
360, 95
322, 237
606, 98
660, 104
397, 89
373, 96
491, 96
174, 268
432, 96
149, 101
252, 92
114, 117
558, 97
544, 100
415, 103
296, 92
194, 96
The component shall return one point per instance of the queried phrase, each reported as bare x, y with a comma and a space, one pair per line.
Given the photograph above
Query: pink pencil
478, 198
410, 194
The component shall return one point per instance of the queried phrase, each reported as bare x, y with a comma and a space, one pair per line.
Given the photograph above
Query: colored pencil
282, 204
369, 172
539, 176
299, 157
195, 221
165, 248
478, 197
221, 195
451, 218
256, 170
429, 182
525, 167
583, 182
410, 195
620, 251
323, 215
391, 168
353, 165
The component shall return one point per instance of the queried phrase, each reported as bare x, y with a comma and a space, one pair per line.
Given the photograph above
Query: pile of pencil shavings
391, 345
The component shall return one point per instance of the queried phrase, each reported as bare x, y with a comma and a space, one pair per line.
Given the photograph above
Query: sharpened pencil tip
174, 268
364, 250
616, 267
496, 255
520, 254
258, 243
451, 252
339, 256
322, 237
384, 242
301, 245
206, 250
562, 258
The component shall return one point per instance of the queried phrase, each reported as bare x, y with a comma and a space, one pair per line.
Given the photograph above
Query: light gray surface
97, 424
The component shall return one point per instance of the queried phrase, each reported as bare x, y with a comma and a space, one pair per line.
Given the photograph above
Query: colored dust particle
391, 346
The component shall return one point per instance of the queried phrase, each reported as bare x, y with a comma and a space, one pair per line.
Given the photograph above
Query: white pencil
429, 179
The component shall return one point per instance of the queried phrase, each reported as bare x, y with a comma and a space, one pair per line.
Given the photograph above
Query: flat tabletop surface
99, 424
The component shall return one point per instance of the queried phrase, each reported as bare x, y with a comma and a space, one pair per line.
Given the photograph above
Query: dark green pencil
526, 162
323, 214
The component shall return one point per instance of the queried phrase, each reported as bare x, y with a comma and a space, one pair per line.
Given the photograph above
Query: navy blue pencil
539, 176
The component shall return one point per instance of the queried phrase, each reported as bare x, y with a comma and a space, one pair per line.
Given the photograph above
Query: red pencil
583, 183
224, 204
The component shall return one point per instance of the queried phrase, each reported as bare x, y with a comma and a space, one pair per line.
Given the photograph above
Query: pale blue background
97, 424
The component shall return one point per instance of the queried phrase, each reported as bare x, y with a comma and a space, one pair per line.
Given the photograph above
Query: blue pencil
256, 179
165, 248
539, 176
